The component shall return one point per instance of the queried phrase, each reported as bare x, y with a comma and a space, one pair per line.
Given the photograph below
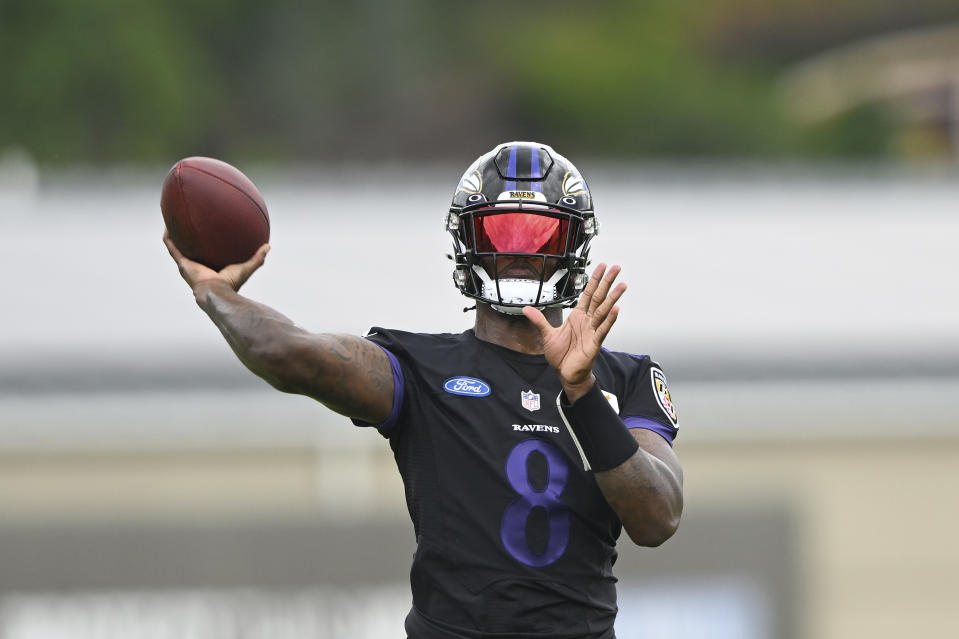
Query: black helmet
522, 200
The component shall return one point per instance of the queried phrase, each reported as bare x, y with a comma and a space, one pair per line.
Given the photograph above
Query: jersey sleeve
649, 403
387, 341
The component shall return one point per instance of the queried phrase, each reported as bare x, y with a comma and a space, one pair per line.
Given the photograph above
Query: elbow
275, 361
653, 529
653, 534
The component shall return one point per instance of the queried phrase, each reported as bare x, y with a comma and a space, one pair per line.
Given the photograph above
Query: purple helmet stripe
511, 168
534, 169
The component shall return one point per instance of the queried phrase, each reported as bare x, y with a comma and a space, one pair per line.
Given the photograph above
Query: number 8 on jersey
513, 527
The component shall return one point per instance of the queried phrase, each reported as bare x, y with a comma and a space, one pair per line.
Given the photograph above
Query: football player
525, 447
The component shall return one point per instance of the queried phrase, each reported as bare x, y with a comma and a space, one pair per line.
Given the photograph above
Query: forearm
636, 469
646, 492
348, 374
254, 331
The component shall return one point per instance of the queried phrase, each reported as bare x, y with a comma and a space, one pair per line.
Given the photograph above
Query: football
214, 213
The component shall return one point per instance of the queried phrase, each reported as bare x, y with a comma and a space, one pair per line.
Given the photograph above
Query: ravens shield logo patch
661, 391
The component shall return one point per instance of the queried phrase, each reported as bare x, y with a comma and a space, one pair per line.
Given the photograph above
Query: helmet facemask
516, 253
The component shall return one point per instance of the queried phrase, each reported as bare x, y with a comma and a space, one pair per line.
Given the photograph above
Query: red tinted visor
521, 233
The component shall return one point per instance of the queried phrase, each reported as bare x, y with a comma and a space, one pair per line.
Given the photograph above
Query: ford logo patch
466, 386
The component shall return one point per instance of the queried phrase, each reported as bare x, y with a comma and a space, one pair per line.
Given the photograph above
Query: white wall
740, 276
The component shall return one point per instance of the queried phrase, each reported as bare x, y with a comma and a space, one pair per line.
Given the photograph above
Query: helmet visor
530, 233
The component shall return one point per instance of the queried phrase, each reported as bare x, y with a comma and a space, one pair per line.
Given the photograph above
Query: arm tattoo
355, 377
348, 374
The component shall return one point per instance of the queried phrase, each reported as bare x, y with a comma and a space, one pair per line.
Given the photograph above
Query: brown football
214, 213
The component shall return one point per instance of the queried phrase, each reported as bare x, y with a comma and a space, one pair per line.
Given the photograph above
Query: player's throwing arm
348, 374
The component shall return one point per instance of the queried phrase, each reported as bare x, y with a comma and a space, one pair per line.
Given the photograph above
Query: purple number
513, 529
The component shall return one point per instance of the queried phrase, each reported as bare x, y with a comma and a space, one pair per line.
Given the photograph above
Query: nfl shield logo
530, 400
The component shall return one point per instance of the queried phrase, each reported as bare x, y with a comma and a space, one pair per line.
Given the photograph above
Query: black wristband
602, 438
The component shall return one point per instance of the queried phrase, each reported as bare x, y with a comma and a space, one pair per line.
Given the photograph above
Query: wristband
600, 435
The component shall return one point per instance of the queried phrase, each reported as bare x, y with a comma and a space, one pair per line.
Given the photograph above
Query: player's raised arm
637, 471
348, 374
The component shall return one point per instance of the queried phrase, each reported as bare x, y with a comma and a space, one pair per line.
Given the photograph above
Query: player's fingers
186, 266
587, 295
181, 261
190, 271
538, 320
238, 274
170, 246
603, 329
259, 257
599, 315
253, 263
602, 289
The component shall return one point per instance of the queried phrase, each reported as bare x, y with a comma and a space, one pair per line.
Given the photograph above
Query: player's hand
235, 275
572, 347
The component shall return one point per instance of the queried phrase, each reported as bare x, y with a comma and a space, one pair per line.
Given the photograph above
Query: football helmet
522, 221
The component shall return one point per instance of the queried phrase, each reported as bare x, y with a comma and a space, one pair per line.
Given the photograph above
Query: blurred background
779, 179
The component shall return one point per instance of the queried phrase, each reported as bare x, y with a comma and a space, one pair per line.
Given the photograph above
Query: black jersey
514, 537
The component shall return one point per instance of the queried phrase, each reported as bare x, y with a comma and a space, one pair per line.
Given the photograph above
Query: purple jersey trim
667, 433
399, 388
